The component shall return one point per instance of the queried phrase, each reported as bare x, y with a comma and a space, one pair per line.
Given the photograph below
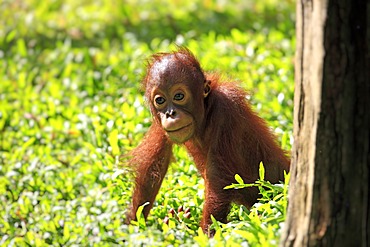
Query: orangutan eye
179, 96
160, 100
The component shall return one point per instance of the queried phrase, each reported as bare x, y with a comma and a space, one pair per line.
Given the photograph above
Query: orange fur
229, 139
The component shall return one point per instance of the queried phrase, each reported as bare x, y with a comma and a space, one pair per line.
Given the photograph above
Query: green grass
71, 104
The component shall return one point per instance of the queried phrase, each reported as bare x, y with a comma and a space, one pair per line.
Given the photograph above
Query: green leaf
113, 141
21, 47
140, 217
239, 179
66, 231
215, 223
11, 35
262, 171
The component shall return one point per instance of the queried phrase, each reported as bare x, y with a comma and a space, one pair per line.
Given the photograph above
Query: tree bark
329, 188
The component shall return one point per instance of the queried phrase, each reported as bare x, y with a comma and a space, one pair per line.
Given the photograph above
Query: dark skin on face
218, 128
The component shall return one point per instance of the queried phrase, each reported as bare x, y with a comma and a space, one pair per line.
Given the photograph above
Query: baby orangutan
218, 128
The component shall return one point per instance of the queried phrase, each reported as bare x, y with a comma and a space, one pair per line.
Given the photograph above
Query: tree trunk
330, 176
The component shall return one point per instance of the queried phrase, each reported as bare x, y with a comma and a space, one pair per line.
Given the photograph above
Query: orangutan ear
207, 88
